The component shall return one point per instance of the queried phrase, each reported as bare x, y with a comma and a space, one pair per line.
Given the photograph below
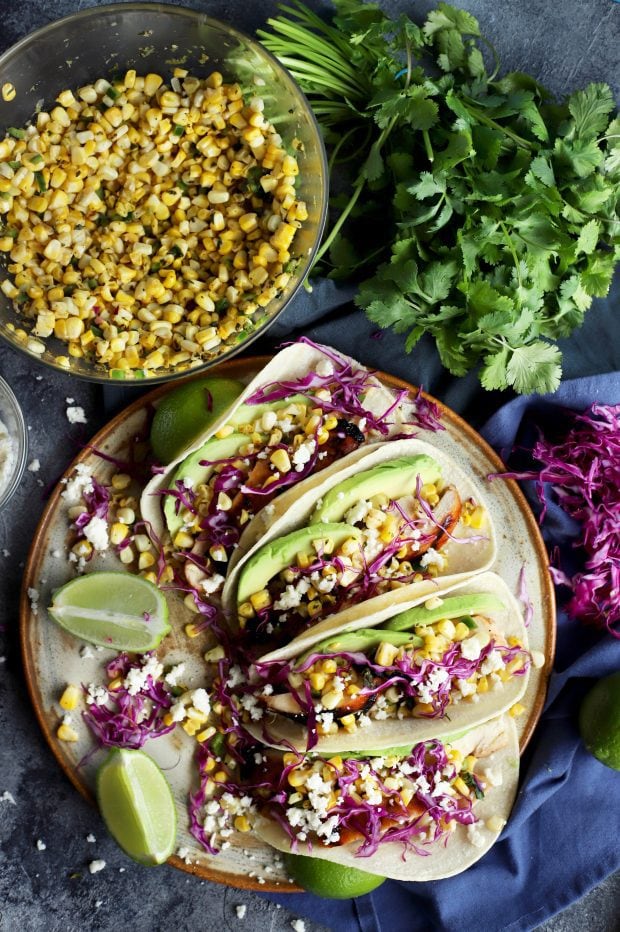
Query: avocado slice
401, 751
248, 414
363, 640
395, 478
280, 553
457, 606
191, 469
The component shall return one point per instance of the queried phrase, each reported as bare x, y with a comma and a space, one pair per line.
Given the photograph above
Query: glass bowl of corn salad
163, 190
13, 443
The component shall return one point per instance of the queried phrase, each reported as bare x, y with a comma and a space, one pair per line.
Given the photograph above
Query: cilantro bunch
486, 211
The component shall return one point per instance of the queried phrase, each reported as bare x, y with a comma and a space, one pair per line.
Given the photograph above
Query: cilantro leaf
590, 109
588, 238
493, 372
534, 367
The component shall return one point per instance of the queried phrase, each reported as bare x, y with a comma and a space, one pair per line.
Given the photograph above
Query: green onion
178, 130
40, 180
16, 133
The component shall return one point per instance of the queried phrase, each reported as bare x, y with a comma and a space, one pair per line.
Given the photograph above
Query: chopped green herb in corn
146, 226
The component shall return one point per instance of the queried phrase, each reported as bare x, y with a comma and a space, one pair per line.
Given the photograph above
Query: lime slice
599, 721
330, 880
137, 806
115, 610
187, 412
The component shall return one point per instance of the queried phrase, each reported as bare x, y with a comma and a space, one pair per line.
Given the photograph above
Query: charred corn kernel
385, 654
482, 685
83, 548
281, 460
447, 628
8, 91
455, 755
246, 610
69, 699
118, 532
190, 727
317, 681
469, 762
516, 710
150, 577
67, 733
429, 493
191, 630
423, 708
145, 560
348, 723
460, 786
242, 824
314, 608
260, 600
303, 560
476, 519
329, 666
127, 555
461, 631
183, 540
120, 481
330, 700
206, 734
297, 777
126, 515
190, 603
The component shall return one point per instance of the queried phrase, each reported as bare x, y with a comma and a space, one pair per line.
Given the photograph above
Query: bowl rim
7, 393
260, 331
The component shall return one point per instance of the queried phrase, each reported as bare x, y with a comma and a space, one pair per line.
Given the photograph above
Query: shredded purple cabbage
126, 720
581, 475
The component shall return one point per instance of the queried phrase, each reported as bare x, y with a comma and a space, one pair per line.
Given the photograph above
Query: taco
400, 524
413, 815
306, 411
442, 666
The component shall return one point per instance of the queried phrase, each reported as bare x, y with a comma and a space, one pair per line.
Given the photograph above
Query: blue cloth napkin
562, 838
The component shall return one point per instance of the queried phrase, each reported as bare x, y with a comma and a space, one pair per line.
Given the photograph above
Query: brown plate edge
231, 368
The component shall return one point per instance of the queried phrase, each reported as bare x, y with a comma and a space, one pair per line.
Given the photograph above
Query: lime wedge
187, 412
137, 806
333, 881
115, 610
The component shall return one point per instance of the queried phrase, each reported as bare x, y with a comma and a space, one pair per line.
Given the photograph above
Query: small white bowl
13, 420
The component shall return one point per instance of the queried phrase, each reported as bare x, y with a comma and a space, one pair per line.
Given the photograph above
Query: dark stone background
566, 45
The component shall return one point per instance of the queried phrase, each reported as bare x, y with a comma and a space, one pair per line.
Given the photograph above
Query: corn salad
146, 226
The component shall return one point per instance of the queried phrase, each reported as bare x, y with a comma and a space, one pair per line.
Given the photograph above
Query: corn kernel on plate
54, 660
161, 197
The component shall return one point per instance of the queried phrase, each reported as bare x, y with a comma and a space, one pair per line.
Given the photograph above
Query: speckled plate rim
235, 368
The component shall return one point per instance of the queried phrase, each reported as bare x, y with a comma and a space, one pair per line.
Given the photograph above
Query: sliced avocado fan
281, 553
395, 478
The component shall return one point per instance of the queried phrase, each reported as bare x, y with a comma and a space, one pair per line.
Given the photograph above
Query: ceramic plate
52, 658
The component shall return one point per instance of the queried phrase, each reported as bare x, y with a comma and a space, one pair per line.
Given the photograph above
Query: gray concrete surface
51, 890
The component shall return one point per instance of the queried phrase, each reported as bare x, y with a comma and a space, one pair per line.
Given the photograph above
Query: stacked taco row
376, 655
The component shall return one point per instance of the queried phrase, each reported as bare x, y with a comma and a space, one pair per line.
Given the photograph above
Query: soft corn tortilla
464, 559
292, 362
391, 860
279, 731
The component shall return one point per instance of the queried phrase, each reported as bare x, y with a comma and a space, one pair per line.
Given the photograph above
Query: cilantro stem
427, 146
482, 118
513, 251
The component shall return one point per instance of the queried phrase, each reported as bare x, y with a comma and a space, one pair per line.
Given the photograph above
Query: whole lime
328, 879
599, 721
187, 411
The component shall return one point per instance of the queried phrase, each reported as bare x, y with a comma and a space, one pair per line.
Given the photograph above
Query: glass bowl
13, 443
151, 37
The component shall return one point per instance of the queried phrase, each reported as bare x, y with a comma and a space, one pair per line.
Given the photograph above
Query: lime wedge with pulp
137, 805
330, 880
187, 412
599, 720
115, 610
